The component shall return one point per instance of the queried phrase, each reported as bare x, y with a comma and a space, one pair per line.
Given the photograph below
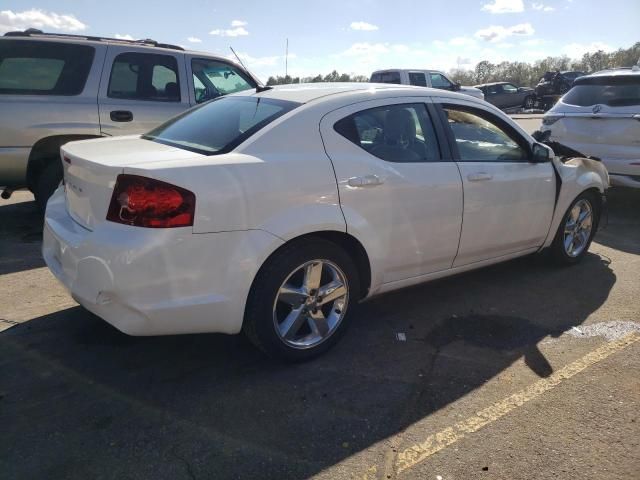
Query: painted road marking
415, 454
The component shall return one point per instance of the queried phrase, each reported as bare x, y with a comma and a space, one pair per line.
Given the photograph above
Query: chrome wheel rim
577, 228
528, 103
310, 304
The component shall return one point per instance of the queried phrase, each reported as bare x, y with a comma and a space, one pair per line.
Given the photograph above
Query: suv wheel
301, 300
46, 183
529, 102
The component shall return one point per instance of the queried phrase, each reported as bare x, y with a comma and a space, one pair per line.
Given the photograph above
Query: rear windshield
43, 68
386, 77
220, 125
620, 91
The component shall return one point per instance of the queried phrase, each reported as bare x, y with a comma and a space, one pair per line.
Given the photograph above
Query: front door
140, 90
508, 201
400, 195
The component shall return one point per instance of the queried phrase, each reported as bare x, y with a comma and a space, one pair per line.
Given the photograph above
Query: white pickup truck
423, 78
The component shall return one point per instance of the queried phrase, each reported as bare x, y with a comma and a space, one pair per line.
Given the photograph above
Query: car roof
490, 84
152, 45
614, 72
316, 92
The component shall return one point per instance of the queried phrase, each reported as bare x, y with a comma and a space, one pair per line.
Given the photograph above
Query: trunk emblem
596, 108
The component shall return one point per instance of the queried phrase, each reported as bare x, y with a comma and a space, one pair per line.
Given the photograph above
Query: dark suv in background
556, 83
57, 88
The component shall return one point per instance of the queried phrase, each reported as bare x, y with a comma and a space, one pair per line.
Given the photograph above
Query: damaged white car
277, 210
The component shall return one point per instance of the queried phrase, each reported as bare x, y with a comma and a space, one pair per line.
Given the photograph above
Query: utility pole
286, 59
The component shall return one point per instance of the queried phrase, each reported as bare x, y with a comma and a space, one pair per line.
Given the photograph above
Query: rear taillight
145, 202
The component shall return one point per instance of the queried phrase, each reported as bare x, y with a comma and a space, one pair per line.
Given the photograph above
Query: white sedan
276, 211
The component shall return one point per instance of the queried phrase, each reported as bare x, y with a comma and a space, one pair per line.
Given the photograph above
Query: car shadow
20, 237
622, 231
78, 399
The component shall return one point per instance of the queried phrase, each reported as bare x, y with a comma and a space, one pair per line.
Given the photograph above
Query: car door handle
479, 177
366, 181
121, 116
636, 117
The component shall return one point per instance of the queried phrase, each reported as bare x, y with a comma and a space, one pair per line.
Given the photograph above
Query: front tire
529, 102
301, 300
576, 230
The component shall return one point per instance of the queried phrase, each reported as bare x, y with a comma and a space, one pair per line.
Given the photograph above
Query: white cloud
194, 40
237, 30
497, 33
364, 26
462, 41
40, 19
576, 50
541, 7
504, 6
124, 36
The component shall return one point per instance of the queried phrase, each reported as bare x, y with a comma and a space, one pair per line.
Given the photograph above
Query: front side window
439, 81
43, 68
621, 91
220, 125
145, 76
212, 79
481, 137
386, 77
508, 88
395, 133
418, 79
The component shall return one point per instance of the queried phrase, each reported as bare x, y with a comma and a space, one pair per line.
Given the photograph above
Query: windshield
621, 91
220, 125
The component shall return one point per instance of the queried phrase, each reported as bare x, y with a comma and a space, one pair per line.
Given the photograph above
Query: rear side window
221, 125
622, 91
43, 68
418, 79
395, 133
481, 137
386, 77
144, 76
212, 79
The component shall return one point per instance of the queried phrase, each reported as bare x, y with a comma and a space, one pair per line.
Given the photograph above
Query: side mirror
540, 153
456, 87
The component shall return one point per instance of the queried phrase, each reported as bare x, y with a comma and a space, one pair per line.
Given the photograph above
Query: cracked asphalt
481, 379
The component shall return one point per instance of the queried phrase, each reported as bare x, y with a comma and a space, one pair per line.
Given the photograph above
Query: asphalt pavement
517, 371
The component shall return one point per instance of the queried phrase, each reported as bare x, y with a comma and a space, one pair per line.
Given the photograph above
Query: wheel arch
347, 242
46, 150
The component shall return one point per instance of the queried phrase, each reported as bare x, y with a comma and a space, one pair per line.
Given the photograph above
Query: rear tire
286, 316
47, 183
576, 230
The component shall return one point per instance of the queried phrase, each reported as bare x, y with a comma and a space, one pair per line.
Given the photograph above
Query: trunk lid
92, 166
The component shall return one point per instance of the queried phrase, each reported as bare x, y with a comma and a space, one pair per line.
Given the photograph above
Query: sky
351, 36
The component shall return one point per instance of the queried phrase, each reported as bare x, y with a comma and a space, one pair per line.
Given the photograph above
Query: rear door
602, 119
510, 97
141, 88
508, 201
399, 192
418, 79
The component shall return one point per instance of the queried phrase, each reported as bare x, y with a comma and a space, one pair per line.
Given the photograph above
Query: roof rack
34, 32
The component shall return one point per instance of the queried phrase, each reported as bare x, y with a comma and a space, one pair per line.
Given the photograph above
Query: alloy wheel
310, 304
577, 228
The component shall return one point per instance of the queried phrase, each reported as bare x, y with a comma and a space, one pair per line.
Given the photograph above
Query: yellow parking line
415, 454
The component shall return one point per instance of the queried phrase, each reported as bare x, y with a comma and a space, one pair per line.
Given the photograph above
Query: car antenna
260, 87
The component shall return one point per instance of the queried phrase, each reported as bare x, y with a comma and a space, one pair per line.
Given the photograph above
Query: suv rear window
220, 125
619, 91
43, 68
386, 77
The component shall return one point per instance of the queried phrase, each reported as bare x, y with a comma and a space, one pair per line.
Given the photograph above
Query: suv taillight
145, 202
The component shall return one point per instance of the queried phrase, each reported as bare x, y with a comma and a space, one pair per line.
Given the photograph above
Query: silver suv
56, 88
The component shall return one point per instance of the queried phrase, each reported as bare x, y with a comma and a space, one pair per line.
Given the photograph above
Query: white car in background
423, 78
277, 210
600, 117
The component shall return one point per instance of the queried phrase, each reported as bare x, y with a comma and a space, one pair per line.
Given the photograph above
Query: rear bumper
154, 281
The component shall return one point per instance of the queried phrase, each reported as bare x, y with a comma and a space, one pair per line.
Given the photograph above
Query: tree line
519, 73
